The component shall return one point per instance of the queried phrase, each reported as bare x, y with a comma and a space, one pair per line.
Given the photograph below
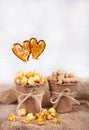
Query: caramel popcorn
31, 117
52, 111
31, 77
40, 121
24, 80
27, 120
55, 121
11, 118
49, 117
22, 112
20, 74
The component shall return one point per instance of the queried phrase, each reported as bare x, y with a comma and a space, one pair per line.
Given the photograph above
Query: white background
63, 24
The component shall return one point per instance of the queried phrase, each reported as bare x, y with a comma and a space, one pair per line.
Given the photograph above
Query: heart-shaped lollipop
22, 51
36, 47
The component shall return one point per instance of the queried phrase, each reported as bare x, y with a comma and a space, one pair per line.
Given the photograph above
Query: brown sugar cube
60, 77
66, 80
61, 72
60, 82
71, 75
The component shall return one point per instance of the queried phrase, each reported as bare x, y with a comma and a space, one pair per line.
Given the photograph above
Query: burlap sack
7, 93
62, 96
30, 97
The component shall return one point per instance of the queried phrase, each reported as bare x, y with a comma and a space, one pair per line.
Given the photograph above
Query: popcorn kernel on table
22, 112
31, 117
55, 121
11, 118
27, 120
49, 117
52, 111
40, 121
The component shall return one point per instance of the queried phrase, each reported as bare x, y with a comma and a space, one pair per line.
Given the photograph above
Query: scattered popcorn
55, 121
27, 120
40, 118
11, 118
40, 121
49, 117
52, 111
31, 117
22, 112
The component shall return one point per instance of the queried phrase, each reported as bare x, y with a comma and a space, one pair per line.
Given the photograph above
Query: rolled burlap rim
63, 96
30, 97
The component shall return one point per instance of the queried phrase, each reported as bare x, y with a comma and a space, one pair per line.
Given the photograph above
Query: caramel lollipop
22, 51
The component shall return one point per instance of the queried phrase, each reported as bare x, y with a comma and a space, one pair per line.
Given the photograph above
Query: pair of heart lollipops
29, 47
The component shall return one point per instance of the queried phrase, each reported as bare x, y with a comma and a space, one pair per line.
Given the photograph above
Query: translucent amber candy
11, 118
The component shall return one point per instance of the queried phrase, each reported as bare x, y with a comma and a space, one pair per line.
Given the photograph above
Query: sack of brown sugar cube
63, 89
30, 89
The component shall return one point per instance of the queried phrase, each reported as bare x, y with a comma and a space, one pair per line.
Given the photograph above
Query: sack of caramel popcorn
63, 89
30, 89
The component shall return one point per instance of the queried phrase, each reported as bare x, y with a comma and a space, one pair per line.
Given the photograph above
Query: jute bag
30, 97
62, 97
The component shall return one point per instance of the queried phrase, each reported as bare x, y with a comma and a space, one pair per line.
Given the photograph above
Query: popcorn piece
52, 111
36, 78
12, 118
29, 74
20, 74
17, 80
40, 121
31, 117
31, 80
22, 112
55, 121
49, 117
42, 80
24, 80
27, 120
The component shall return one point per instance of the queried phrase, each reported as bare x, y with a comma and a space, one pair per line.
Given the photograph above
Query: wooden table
78, 119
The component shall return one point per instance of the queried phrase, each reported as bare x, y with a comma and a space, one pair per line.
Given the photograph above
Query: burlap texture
65, 103
7, 93
31, 105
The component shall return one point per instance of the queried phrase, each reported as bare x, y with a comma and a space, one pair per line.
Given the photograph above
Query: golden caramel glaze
36, 47
22, 52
